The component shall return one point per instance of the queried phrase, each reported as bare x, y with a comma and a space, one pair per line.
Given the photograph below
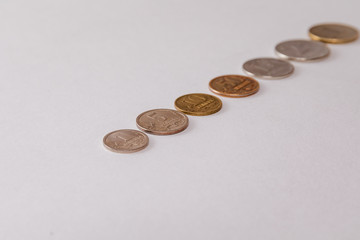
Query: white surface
281, 164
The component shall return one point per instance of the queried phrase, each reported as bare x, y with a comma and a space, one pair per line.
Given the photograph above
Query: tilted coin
302, 50
126, 141
162, 121
333, 33
234, 86
198, 104
268, 68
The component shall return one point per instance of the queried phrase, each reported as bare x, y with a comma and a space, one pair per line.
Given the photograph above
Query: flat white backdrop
281, 164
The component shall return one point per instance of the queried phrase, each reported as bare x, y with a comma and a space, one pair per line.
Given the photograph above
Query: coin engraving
333, 33
198, 104
125, 141
302, 50
234, 86
162, 121
268, 68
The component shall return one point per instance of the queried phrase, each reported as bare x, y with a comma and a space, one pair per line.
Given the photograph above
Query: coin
302, 50
126, 141
234, 86
268, 68
333, 33
162, 121
198, 104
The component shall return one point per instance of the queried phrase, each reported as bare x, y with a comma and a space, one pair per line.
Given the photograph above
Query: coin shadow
333, 55
190, 127
150, 146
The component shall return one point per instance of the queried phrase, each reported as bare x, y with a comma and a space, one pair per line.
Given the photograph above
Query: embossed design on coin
333, 33
126, 141
198, 104
268, 68
234, 86
302, 50
162, 121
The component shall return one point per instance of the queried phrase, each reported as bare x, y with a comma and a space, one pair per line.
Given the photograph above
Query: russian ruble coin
162, 121
198, 104
234, 86
268, 68
302, 50
333, 33
126, 141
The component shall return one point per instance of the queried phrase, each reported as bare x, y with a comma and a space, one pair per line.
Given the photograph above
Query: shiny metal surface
268, 68
162, 121
198, 104
333, 33
126, 141
302, 50
234, 86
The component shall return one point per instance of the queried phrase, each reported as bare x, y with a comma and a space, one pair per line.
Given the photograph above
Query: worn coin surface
126, 141
198, 104
268, 68
234, 86
333, 33
162, 121
302, 50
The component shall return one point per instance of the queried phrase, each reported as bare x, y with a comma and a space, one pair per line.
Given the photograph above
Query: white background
281, 164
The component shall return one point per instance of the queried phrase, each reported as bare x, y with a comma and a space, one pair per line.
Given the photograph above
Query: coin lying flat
302, 50
234, 86
333, 33
198, 104
268, 68
126, 141
162, 121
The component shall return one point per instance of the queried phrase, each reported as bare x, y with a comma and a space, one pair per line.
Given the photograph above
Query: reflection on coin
198, 104
234, 86
162, 121
268, 68
126, 141
333, 33
302, 50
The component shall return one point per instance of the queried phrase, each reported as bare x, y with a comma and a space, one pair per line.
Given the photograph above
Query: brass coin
333, 33
162, 121
198, 104
126, 141
302, 50
234, 86
268, 68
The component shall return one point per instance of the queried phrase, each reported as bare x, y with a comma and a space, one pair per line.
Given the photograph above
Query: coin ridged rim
302, 59
234, 95
125, 151
162, 132
266, 76
315, 37
197, 113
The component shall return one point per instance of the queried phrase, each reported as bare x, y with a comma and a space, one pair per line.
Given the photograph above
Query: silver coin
302, 50
126, 141
268, 68
162, 121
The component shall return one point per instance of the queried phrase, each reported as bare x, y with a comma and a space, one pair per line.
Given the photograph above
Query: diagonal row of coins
169, 121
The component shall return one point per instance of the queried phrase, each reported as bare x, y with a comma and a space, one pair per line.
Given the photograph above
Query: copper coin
198, 104
302, 50
162, 121
268, 68
234, 86
333, 33
126, 141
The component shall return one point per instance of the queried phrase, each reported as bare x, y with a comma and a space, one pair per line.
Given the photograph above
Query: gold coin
234, 86
126, 141
333, 33
198, 104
